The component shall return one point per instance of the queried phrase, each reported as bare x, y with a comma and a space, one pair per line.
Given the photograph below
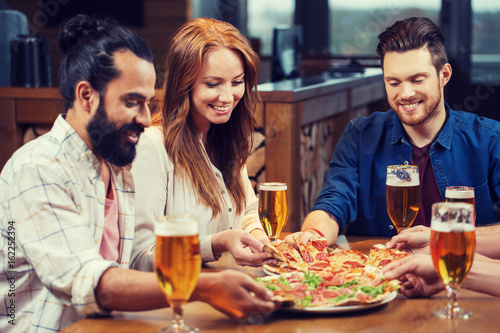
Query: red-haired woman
193, 160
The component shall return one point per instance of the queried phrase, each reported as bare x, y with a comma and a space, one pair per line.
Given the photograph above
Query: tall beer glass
273, 208
402, 195
453, 244
177, 264
460, 194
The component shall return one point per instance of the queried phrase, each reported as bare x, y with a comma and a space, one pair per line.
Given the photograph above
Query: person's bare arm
488, 229
320, 220
129, 290
234, 293
483, 276
487, 244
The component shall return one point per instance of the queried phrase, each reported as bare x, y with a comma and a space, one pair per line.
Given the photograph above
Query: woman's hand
245, 248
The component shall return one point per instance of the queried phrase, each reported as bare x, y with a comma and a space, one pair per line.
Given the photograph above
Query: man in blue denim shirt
461, 148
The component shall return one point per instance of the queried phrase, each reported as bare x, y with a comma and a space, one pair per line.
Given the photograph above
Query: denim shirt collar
444, 137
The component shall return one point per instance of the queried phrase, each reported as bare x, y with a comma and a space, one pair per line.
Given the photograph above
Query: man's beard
431, 111
108, 141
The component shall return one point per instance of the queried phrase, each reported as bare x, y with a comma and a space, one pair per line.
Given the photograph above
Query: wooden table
400, 315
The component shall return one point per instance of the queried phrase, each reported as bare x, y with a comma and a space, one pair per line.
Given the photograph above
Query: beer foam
273, 187
459, 194
452, 227
402, 176
392, 180
183, 227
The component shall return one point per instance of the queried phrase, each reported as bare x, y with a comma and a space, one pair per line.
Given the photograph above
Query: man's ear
445, 74
86, 96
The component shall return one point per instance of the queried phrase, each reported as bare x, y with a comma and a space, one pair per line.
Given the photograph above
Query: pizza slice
380, 255
351, 262
314, 253
288, 257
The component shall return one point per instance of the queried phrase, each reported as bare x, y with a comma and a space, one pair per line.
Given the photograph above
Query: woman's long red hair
228, 145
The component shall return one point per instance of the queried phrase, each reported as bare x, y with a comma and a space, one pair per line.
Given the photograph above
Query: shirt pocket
484, 206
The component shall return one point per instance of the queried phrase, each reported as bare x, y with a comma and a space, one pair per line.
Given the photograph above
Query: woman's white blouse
159, 191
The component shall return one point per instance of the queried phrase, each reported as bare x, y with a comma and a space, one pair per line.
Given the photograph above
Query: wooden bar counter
400, 315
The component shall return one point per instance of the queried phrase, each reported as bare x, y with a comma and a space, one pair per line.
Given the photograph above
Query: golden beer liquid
452, 255
177, 265
273, 211
469, 200
402, 205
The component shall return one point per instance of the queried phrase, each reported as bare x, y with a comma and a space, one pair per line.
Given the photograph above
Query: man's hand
417, 275
413, 240
317, 220
245, 248
234, 293
303, 236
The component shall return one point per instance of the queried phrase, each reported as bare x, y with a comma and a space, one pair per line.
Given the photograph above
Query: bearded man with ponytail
68, 197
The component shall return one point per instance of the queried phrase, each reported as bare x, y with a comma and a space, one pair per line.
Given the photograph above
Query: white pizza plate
340, 309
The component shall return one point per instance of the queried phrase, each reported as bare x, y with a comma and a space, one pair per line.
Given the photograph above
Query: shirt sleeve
150, 172
55, 238
251, 217
338, 195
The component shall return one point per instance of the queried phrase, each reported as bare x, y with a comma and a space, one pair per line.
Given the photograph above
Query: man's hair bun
81, 29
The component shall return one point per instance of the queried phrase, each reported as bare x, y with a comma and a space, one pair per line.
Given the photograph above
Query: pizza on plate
308, 289
319, 276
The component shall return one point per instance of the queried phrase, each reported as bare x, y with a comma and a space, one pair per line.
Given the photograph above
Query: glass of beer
273, 208
460, 194
452, 244
402, 195
177, 264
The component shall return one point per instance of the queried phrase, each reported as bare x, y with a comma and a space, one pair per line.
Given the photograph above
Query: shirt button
222, 192
391, 226
230, 210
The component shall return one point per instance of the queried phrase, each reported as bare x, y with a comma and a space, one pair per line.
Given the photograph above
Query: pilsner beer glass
273, 208
453, 244
402, 195
177, 264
